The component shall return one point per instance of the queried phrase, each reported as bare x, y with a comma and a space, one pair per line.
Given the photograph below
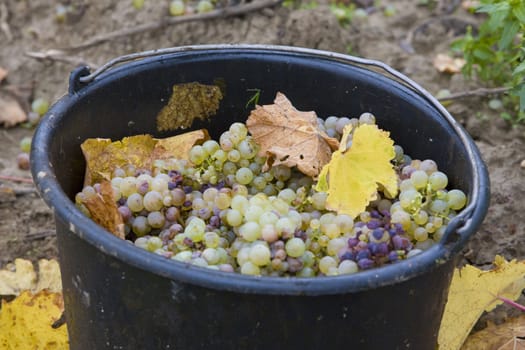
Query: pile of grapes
221, 211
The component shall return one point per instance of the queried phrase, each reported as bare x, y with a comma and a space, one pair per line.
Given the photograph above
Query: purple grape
378, 233
375, 214
365, 264
125, 212
379, 249
393, 256
373, 224
348, 255
294, 265
301, 234
352, 242
215, 221
172, 185
176, 228
400, 242
143, 187
362, 254
188, 189
172, 214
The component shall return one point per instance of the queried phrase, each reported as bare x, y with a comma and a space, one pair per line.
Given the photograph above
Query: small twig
40, 235
3, 22
477, 92
225, 12
24, 191
9, 137
26, 180
59, 56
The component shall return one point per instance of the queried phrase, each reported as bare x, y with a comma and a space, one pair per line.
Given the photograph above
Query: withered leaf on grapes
104, 211
188, 102
103, 156
290, 137
474, 291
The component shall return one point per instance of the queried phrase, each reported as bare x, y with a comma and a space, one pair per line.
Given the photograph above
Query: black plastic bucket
121, 297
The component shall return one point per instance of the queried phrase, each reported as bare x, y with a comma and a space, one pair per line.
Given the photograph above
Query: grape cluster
224, 210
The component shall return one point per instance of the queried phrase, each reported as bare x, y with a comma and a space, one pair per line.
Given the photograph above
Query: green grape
326, 263
419, 179
135, 202
295, 247
153, 201
211, 256
138, 4
456, 199
234, 217
177, 8
438, 180
40, 106
250, 231
249, 268
198, 154
244, 176
347, 267
140, 226
211, 239
335, 245
156, 219
25, 144
195, 229
154, 243
260, 255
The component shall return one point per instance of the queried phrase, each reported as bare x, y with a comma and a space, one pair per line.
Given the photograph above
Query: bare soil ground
26, 224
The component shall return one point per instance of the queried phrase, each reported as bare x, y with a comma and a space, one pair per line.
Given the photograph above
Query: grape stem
476, 92
225, 12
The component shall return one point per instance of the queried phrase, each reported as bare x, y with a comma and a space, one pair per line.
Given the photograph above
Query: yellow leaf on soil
507, 336
27, 322
21, 275
351, 178
104, 210
103, 156
474, 291
290, 137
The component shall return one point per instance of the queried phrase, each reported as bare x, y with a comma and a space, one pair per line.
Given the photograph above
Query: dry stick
4, 26
59, 56
477, 92
26, 180
220, 13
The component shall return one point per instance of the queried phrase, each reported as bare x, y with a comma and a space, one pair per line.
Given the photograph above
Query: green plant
343, 12
496, 54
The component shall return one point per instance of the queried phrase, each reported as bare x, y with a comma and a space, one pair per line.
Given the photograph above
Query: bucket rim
458, 231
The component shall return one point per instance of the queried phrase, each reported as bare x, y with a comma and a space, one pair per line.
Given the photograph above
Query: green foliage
496, 54
298, 4
343, 12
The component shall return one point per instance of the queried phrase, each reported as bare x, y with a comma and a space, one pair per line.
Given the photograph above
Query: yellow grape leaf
290, 137
104, 210
103, 156
352, 176
188, 102
21, 275
474, 291
27, 322
507, 336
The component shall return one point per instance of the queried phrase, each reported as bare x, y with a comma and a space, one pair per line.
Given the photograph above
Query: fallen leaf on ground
188, 102
104, 210
27, 322
11, 113
290, 137
446, 64
103, 156
507, 336
474, 291
21, 275
352, 176
3, 74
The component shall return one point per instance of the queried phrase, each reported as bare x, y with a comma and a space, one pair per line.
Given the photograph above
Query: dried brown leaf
188, 102
507, 336
179, 146
104, 211
11, 113
103, 156
291, 137
447, 64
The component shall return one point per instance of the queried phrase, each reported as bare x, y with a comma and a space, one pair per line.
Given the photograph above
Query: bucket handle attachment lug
75, 79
